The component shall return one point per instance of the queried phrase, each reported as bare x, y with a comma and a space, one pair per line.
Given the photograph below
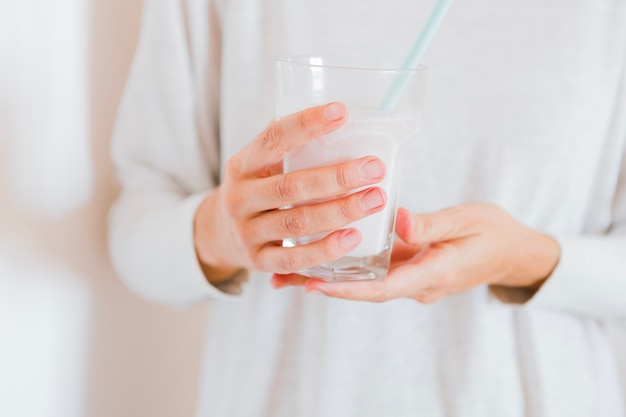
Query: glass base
351, 268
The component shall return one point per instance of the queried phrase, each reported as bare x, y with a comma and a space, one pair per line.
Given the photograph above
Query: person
511, 239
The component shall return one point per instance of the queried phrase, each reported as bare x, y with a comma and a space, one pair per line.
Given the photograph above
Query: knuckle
306, 121
271, 138
326, 252
289, 187
233, 204
296, 222
425, 227
243, 232
289, 261
333, 248
256, 259
348, 207
232, 167
343, 178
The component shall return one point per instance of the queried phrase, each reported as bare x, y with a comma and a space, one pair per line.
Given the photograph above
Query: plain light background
73, 340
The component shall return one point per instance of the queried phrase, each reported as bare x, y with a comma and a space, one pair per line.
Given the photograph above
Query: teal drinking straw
415, 54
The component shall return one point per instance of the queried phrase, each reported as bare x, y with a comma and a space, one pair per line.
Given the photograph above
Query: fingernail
314, 292
334, 111
350, 238
372, 199
372, 169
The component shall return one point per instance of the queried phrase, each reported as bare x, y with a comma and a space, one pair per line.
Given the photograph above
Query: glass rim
350, 63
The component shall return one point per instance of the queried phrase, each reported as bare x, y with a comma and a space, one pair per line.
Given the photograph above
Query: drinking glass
361, 84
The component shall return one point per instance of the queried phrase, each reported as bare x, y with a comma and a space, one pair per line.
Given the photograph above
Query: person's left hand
448, 252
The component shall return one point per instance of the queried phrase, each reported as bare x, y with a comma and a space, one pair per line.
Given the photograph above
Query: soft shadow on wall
145, 358
73, 340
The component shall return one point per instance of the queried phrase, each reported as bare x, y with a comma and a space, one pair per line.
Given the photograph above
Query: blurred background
73, 340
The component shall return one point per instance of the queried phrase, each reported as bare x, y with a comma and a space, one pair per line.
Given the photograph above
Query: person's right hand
240, 224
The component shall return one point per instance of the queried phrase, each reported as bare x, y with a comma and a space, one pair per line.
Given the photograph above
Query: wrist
206, 238
545, 253
217, 275
539, 255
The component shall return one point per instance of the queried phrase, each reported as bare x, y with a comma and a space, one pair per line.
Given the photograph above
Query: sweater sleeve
590, 278
166, 152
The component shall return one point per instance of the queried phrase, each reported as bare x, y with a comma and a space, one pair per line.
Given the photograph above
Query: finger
404, 225
423, 278
289, 260
372, 291
312, 184
312, 219
442, 226
283, 135
402, 251
280, 281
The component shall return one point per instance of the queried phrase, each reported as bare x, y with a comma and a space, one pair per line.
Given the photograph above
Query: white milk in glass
366, 133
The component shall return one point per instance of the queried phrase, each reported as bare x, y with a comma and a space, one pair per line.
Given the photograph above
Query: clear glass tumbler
361, 84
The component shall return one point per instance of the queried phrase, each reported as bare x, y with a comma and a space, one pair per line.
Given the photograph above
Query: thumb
419, 229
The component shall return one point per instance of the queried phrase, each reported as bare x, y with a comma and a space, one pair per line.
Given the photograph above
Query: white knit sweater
526, 108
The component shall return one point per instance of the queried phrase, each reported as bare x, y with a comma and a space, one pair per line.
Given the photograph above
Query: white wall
73, 340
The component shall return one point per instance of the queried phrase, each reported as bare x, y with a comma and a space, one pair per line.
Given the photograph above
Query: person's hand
448, 252
240, 225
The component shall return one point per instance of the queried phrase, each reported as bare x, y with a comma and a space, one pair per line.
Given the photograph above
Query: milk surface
365, 133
